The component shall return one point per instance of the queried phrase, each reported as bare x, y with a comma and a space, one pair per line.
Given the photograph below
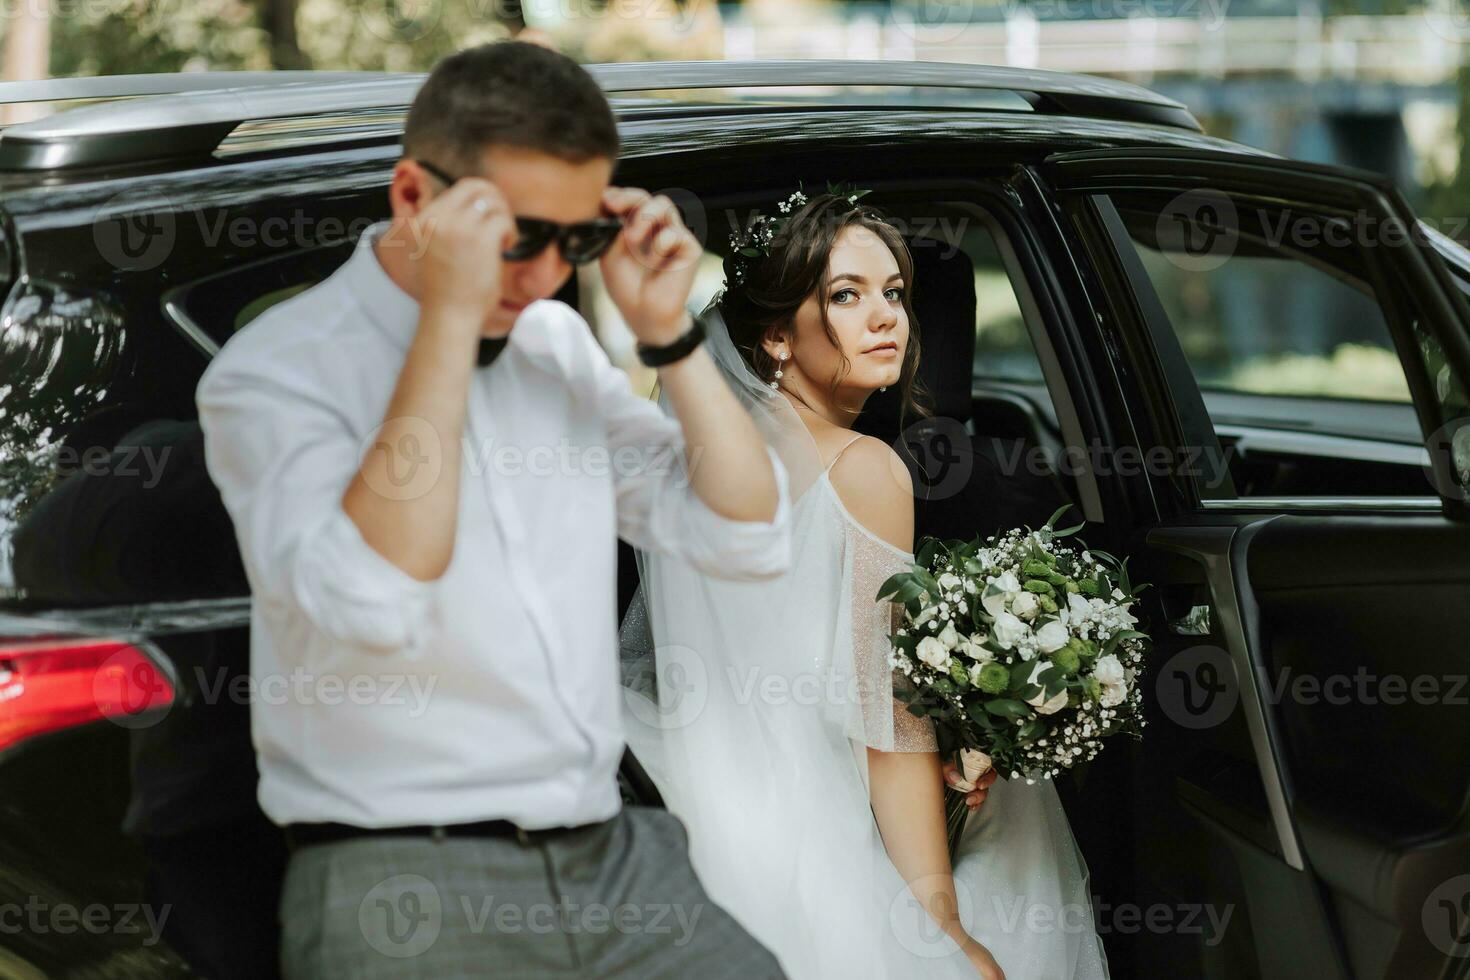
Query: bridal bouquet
1021, 649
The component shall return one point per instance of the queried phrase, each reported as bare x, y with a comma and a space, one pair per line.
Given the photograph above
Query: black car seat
965, 483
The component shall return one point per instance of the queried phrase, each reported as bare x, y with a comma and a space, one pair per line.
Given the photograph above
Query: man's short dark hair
513, 94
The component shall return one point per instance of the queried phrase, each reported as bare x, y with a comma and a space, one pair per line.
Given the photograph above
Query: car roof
230, 114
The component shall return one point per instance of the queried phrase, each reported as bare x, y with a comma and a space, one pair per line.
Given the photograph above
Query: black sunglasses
579, 243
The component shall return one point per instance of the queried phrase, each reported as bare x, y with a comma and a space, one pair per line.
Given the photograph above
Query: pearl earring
783, 355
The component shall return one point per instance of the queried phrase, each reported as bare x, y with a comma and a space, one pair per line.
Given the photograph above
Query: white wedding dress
752, 704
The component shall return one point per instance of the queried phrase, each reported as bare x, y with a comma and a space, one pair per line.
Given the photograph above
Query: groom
427, 462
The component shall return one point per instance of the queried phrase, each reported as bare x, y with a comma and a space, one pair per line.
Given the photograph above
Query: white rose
949, 637
1108, 670
973, 647
973, 765
1025, 605
1112, 679
933, 652
1052, 636
1008, 630
1040, 702
948, 581
1002, 589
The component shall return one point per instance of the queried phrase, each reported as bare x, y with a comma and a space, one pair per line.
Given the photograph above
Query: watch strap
675, 351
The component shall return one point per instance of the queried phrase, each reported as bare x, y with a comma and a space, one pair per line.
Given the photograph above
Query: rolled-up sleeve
658, 509
282, 458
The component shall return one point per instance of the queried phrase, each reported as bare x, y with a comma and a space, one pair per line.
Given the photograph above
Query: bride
764, 711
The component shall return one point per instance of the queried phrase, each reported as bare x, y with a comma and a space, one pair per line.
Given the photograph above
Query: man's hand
464, 230
976, 796
650, 267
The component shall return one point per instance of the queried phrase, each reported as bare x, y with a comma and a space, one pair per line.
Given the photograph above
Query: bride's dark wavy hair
773, 286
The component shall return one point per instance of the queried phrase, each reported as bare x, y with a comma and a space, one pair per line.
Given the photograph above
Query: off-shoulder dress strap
843, 450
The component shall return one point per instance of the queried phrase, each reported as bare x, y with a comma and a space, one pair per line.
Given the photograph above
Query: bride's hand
983, 962
975, 797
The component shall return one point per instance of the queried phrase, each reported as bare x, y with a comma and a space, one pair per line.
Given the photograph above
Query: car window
265, 301
1003, 348
1286, 334
1273, 325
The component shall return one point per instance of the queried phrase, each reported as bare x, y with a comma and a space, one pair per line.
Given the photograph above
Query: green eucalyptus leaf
1008, 708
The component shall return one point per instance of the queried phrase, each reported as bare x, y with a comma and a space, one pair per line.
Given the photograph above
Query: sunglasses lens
585, 243
533, 237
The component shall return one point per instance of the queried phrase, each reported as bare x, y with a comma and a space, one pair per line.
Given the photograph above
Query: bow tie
490, 348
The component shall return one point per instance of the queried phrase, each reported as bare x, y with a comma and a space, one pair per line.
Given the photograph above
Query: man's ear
409, 189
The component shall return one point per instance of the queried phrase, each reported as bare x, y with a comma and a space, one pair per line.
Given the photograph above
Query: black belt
306, 834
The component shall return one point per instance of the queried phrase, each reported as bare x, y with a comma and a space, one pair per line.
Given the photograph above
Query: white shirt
492, 691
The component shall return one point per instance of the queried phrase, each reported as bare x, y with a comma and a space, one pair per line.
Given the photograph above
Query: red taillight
51, 685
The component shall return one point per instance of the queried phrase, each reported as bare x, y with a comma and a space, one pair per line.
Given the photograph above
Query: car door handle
1196, 622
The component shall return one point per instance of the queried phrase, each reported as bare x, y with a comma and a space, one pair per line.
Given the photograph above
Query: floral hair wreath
755, 242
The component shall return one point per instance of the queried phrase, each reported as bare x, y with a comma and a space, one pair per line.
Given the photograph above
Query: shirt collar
394, 311
386, 304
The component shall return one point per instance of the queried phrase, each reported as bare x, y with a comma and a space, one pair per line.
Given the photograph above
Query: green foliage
134, 36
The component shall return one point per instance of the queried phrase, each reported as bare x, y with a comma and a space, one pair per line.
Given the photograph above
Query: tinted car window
1003, 349
1285, 328
1275, 325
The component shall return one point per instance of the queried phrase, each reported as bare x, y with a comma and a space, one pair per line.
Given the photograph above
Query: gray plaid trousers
616, 899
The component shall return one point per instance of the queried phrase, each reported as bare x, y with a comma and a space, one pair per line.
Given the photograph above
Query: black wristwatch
675, 351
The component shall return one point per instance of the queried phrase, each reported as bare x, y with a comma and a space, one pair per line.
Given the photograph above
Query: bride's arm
907, 800
906, 788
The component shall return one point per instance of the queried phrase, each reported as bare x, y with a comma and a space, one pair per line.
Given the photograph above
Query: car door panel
1344, 816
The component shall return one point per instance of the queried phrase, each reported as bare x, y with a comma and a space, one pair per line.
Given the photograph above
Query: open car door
1303, 783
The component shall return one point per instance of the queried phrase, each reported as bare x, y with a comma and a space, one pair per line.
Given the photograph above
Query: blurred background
1380, 84
1377, 84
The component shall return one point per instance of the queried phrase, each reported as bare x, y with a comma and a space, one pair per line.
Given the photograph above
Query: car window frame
1084, 177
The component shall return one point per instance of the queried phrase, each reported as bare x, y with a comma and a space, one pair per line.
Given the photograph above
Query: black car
1246, 373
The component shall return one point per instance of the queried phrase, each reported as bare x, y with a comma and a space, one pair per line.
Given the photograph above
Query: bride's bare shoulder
877, 490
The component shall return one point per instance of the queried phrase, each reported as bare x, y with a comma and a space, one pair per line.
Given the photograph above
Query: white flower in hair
761, 230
